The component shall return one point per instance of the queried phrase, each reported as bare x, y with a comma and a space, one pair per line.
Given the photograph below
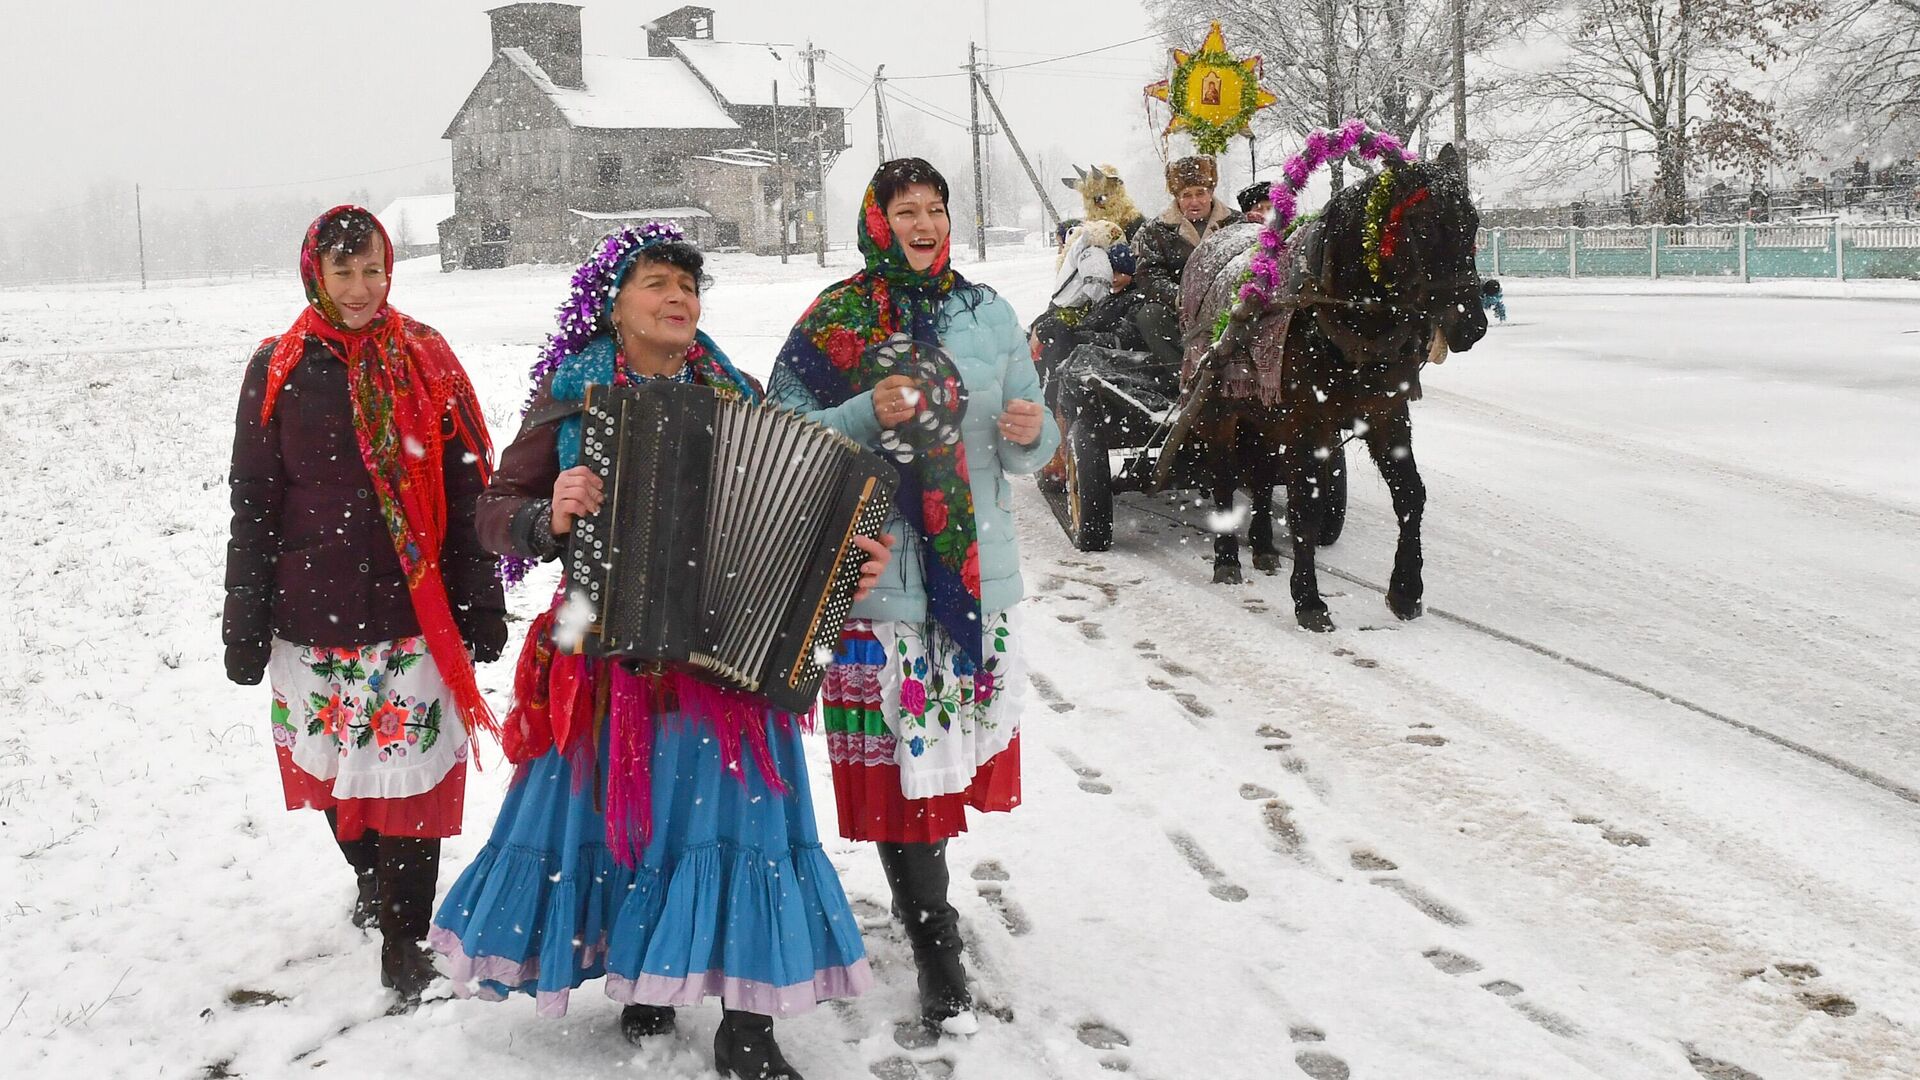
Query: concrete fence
1839, 251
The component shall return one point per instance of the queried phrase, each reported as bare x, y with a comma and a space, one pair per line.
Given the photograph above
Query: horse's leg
1262, 472
1390, 442
1222, 470
1305, 511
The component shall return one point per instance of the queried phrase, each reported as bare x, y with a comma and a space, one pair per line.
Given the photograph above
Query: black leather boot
646, 1021
743, 1049
917, 874
405, 877
364, 856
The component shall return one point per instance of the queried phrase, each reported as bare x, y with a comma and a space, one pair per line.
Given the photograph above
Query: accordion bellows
724, 542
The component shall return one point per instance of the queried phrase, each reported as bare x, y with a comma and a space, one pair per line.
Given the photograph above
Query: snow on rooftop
630, 93
414, 220
748, 158
744, 72
664, 213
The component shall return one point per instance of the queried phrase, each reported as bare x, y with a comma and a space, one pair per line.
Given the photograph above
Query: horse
1104, 196
1381, 283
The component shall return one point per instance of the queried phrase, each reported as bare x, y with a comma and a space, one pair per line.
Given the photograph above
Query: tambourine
943, 400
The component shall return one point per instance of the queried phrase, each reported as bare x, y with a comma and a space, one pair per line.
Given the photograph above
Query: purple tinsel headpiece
579, 319
594, 284
1322, 147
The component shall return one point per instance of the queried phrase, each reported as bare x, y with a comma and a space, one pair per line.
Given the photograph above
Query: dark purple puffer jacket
308, 558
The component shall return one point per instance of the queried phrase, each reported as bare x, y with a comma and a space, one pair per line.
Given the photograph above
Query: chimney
687, 22
550, 33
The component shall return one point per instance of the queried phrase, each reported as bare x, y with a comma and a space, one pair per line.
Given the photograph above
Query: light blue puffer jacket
990, 349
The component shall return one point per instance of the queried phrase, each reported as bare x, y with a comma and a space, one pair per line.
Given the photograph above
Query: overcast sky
189, 95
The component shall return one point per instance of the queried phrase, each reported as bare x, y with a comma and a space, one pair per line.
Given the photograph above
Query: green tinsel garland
1208, 137
1374, 225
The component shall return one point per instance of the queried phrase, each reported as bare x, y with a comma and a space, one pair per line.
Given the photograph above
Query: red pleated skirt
434, 813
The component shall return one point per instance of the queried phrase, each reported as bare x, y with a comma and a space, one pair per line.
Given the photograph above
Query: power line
1071, 56
923, 112
988, 69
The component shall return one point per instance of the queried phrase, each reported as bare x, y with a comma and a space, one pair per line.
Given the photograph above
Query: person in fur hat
1164, 244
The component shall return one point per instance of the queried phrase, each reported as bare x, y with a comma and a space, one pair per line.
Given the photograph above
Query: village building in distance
558, 145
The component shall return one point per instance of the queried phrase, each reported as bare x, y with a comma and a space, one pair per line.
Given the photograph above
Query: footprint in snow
1193, 705
993, 891
1278, 817
1426, 905
1102, 1036
1217, 883
1450, 962
1090, 781
1321, 1065
1715, 1069
900, 1067
1371, 863
990, 870
1049, 693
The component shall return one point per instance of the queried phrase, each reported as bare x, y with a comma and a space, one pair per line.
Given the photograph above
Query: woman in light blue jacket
921, 702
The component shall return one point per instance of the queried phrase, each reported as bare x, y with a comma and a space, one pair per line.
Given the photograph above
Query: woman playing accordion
659, 831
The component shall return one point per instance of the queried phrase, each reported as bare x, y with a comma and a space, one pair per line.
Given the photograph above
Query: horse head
1407, 240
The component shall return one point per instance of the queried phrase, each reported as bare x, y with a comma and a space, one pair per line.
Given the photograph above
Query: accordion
724, 541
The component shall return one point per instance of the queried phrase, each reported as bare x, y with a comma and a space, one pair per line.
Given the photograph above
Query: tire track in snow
1858, 772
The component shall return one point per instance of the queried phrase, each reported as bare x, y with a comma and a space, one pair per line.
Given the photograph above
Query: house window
496, 232
609, 169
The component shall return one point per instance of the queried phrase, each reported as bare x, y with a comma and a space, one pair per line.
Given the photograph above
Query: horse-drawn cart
1115, 409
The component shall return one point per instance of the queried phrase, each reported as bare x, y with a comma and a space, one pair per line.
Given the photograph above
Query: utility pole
1007, 129
880, 111
140, 230
1460, 82
819, 184
979, 191
780, 172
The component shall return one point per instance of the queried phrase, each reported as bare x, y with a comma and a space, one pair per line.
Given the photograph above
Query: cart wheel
1333, 481
1089, 487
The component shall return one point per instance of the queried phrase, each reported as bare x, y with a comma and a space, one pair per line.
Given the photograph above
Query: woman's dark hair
900, 174
678, 254
349, 232
897, 176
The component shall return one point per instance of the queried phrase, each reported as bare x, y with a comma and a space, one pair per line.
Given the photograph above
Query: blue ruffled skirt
733, 897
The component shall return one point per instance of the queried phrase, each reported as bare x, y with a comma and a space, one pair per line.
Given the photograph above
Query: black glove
247, 662
487, 637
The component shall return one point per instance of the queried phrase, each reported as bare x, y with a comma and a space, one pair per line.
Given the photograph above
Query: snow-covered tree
1388, 61
1678, 79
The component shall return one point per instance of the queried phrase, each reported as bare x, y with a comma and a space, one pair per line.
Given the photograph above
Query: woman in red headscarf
355, 580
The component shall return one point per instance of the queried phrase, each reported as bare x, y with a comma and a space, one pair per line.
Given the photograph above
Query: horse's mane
1345, 272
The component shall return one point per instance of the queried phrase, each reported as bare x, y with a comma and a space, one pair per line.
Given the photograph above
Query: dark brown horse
1338, 348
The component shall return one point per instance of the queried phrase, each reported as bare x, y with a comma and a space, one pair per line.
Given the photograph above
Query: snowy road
1484, 844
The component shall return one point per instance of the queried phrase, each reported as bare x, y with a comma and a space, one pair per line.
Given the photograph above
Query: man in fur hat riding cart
1164, 244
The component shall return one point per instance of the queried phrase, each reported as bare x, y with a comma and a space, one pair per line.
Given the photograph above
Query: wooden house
557, 145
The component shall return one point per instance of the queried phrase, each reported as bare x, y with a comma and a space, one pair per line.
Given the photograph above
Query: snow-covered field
1639, 798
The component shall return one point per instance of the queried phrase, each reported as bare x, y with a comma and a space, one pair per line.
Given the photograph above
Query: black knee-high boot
917, 874
744, 1048
364, 856
407, 872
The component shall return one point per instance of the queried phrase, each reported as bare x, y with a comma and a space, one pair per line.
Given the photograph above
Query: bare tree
1673, 79
1865, 59
1390, 62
